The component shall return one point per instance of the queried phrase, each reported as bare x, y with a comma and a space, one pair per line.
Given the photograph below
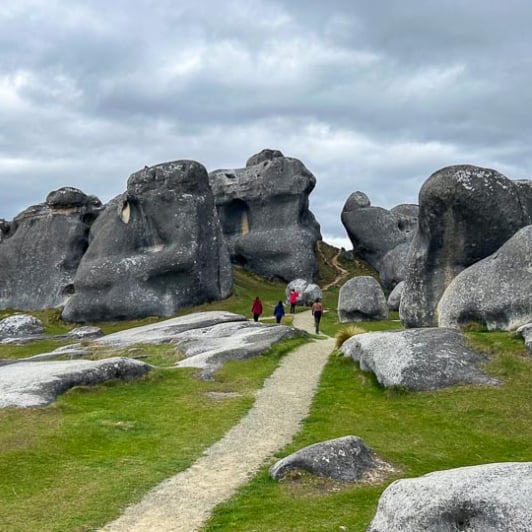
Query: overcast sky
370, 95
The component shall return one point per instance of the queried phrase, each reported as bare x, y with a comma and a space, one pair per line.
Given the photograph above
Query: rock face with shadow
495, 291
40, 250
418, 359
155, 249
264, 211
465, 214
375, 232
482, 498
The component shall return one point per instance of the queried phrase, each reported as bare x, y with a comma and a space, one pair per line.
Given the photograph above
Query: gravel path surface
184, 502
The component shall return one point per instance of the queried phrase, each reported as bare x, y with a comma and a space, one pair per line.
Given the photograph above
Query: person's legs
317, 318
255, 317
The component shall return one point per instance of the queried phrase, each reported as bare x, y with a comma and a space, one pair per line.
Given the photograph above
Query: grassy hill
74, 465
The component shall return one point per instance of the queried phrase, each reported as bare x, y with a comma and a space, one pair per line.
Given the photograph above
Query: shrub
345, 333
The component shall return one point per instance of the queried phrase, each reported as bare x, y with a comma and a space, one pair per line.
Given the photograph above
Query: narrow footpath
185, 501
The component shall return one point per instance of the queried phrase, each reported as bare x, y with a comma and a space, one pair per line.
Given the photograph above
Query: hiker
317, 311
292, 298
256, 309
278, 311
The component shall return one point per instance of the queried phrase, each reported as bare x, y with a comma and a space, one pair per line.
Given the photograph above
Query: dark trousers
256, 317
317, 318
293, 308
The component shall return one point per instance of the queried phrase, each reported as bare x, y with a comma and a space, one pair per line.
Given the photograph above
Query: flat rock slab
418, 359
484, 498
30, 384
166, 331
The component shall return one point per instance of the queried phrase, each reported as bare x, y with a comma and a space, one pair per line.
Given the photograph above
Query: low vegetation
74, 465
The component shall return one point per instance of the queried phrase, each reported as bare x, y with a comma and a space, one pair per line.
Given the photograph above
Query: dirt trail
185, 501
342, 273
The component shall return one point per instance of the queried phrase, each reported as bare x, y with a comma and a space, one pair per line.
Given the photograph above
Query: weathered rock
375, 231
465, 214
308, 292
20, 325
483, 498
417, 359
30, 384
85, 332
265, 216
347, 459
494, 291
42, 248
392, 270
394, 299
525, 331
361, 298
155, 249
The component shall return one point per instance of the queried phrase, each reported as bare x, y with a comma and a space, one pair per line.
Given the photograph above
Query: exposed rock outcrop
155, 249
525, 332
346, 459
20, 325
417, 359
40, 250
465, 214
375, 231
495, 291
394, 299
265, 216
30, 384
481, 498
308, 292
361, 298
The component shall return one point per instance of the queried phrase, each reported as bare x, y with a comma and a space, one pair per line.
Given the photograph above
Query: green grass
417, 432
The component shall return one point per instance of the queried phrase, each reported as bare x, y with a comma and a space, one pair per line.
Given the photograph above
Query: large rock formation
361, 298
494, 291
375, 231
483, 498
40, 250
265, 216
156, 248
417, 359
465, 214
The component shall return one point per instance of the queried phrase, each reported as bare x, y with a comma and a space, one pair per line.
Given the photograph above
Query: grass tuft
345, 333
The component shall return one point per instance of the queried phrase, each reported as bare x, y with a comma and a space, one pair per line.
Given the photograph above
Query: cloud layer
370, 96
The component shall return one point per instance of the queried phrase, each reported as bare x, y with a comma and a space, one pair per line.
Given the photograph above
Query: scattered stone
418, 359
346, 459
361, 298
466, 213
40, 250
481, 498
525, 331
308, 292
266, 220
155, 249
30, 384
20, 325
85, 332
494, 291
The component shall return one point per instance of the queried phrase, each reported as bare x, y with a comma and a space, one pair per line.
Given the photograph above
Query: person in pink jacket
256, 309
292, 298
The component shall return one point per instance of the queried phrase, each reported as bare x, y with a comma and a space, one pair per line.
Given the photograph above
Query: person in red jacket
292, 298
256, 309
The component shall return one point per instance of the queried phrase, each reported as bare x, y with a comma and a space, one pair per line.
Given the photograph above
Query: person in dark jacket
256, 309
278, 311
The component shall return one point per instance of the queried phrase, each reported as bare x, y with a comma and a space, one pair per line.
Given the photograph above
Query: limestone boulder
38, 383
392, 270
494, 291
465, 214
155, 249
418, 359
482, 498
346, 459
394, 299
20, 325
265, 216
375, 231
40, 250
361, 298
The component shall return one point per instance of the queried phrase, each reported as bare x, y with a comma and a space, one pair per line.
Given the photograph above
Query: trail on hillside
185, 501
342, 273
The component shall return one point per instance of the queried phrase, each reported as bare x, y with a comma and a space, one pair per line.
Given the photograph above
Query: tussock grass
345, 333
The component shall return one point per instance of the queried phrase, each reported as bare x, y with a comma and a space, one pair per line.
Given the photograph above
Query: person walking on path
317, 311
278, 312
256, 309
293, 300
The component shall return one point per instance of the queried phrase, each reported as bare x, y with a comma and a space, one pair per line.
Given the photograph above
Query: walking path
185, 501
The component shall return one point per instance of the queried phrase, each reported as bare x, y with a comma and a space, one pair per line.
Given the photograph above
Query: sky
371, 96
